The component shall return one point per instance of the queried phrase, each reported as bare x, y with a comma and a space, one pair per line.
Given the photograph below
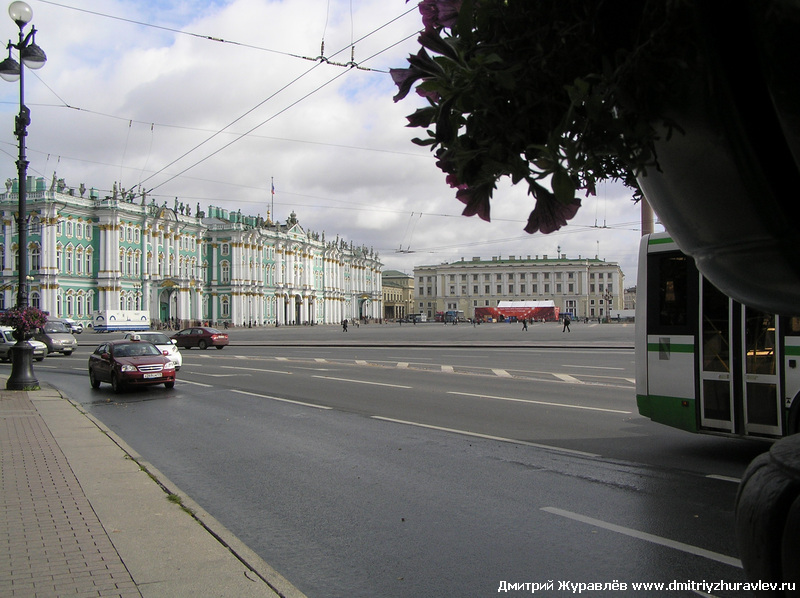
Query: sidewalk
82, 515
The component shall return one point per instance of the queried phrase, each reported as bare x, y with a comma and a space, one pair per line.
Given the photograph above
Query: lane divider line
547, 403
724, 478
361, 381
688, 548
282, 400
238, 368
182, 381
568, 378
486, 436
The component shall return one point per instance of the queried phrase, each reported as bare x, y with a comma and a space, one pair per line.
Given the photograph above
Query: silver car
57, 336
7, 341
165, 344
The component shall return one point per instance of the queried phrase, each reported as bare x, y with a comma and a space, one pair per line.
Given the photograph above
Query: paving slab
81, 514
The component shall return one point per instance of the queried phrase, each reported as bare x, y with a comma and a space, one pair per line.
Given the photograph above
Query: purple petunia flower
549, 215
439, 13
477, 200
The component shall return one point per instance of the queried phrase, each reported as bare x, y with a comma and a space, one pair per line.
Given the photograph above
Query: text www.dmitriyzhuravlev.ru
709, 587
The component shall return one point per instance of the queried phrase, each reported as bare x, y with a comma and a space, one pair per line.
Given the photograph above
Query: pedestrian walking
344, 325
566, 323
525, 324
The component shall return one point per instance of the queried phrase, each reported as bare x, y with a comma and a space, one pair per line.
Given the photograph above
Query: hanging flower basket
24, 321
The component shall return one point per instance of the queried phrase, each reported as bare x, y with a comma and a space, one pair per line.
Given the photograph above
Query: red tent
519, 310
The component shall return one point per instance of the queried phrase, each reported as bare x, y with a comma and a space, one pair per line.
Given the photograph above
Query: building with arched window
88, 253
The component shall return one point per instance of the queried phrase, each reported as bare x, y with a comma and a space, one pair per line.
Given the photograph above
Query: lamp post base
22, 376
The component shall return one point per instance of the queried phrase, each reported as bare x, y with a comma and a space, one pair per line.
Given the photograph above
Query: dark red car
130, 362
201, 337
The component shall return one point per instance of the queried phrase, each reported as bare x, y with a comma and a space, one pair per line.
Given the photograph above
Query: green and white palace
89, 251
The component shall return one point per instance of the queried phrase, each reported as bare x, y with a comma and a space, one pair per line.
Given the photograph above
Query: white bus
706, 363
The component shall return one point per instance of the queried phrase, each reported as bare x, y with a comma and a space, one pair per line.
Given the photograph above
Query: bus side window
672, 280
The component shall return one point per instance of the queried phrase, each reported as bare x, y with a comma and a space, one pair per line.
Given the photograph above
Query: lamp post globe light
32, 57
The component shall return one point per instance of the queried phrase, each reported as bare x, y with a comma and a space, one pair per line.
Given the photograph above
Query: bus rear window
672, 280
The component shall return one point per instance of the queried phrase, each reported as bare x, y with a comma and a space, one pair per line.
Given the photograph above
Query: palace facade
88, 253
583, 287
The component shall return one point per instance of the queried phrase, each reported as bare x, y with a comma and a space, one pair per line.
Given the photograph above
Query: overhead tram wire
351, 65
320, 59
246, 133
238, 137
220, 131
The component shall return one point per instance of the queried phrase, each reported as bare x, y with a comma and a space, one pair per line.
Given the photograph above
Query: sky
213, 102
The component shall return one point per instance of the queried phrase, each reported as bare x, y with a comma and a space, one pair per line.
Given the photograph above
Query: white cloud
119, 101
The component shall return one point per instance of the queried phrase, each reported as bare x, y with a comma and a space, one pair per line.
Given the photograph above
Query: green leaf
563, 187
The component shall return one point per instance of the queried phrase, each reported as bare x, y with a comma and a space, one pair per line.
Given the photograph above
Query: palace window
34, 258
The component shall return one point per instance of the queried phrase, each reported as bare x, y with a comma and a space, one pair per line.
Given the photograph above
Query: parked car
201, 337
57, 336
164, 343
7, 341
130, 362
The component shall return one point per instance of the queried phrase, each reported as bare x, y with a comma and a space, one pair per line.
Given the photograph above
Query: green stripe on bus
673, 347
671, 411
790, 350
659, 241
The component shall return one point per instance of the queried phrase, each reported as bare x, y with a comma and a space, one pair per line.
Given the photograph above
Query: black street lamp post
609, 304
33, 57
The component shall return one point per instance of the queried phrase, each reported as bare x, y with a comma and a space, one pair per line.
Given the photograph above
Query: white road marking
486, 436
708, 554
241, 369
182, 381
361, 381
590, 367
567, 378
724, 478
502, 373
282, 400
482, 396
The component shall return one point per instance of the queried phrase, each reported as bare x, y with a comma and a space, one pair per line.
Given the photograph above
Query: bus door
716, 374
760, 347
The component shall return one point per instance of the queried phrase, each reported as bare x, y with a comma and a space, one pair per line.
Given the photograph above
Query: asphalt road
434, 461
